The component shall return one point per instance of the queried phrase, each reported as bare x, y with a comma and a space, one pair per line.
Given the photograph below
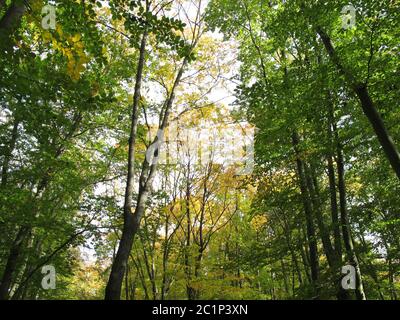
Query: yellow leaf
76, 37
59, 30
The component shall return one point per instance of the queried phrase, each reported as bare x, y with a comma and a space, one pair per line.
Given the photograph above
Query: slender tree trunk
312, 241
149, 267
132, 217
344, 220
326, 242
164, 281
127, 283
341, 294
391, 273
113, 289
12, 262
8, 153
139, 269
188, 268
285, 277
334, 209
22, 290
306, 263
10, 22
368, 106
348, 242
333, 140
12, 16
296, 266
386, 141
291, 250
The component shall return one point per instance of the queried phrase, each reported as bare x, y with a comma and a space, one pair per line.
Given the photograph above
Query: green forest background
83, 94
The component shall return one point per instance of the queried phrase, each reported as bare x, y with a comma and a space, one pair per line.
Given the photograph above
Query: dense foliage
88, 108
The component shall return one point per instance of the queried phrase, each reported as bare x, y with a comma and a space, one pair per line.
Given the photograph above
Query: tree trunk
312, 241
306, 262
368, 107
286, 230
344, 220
12, 17
132, 219
381, 132
9, 23
12, 262
334, 209
188, 271
8, 153
326, 242
113, 289
285, 277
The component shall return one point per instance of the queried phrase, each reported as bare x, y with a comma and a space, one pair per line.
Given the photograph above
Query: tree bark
312, 241
9, 23
326, 242
8, 153
334, 209
286, 230
113, 289
12, 262
346, 232
368, 106
132, 219
12, 16
188, 271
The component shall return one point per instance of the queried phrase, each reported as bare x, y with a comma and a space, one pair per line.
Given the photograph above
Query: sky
222, 93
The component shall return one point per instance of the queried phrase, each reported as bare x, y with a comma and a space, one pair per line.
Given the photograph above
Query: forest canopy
199, 150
